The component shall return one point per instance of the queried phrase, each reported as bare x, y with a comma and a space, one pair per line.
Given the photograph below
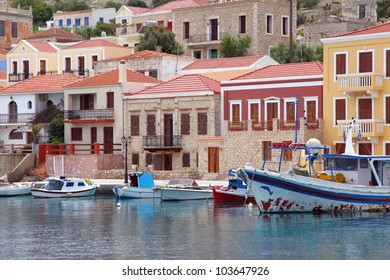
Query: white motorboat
184, 189
63, 187
141, 185
14, 189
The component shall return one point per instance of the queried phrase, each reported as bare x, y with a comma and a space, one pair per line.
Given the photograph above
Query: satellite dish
103, 34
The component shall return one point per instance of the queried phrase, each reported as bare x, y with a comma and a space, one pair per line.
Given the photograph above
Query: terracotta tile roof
112, 77
42, 83
285, 70
227, 75
176, 4
3, 75
137, 10
380, 28
51, 32
42, 46
184, 84
2, 51
94, 44
142, 54
230, 62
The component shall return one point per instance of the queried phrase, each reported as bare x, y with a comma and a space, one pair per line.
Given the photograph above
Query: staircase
40, 171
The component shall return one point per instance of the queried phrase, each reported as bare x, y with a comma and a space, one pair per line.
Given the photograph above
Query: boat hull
236, 197
42, 193
171, 194
287, 192
132, 192
15, 190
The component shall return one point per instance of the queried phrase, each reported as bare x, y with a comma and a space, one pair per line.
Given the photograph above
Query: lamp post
300, 39
125, 143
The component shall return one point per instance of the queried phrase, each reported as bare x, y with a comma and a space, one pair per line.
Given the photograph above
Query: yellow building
357, 89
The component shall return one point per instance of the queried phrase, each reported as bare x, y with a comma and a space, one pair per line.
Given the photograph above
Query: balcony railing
18, 77
78, 72
89, 114
162, 142
370, 82
42, 72
17, 118
211, 37
368, 128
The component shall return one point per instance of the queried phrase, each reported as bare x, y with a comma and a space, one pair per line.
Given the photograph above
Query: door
168, 130
272, 113
81, 69
93, 138
311, 111
108, 139
365, 108
254, 113
26, 69
42, 67
214, 29
213, 159
13, 112
167, 161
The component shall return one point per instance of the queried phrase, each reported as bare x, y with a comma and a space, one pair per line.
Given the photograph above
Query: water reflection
94, 228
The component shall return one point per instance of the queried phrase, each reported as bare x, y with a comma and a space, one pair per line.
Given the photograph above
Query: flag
360, 134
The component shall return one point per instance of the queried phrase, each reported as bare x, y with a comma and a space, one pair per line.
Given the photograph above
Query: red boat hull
231, 197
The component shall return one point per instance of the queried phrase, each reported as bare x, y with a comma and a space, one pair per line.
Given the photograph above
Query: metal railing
17, 77
17, 118
198, 38
162, 141
89, 114
78, 72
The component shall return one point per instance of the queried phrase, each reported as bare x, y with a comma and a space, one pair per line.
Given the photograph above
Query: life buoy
339, 178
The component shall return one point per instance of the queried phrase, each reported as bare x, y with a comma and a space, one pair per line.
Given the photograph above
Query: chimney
122, 72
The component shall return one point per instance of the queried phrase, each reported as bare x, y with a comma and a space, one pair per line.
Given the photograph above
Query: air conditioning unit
43, 97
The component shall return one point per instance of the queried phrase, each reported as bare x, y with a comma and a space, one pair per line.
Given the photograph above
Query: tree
160, 38
137, 3
383, 9
42, 12
88, 32
232, 47
71, 5
113, 4
281, 53
56, 129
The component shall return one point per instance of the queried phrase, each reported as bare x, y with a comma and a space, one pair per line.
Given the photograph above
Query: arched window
13, 112
29, 105
49, 103
14, 135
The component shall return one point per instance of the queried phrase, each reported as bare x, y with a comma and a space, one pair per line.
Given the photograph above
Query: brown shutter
340, 110
311, 111
236, 112
365, 109
110, 100
341, 66
387, 109
149, 159
135, 158
151, 125
255, 112
134, 122
82, 102
202, 123
185, 124
365, 62
186, 160
388, 63
290, 111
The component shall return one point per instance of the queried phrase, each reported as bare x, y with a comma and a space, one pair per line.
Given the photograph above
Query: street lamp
125, 143
300, 39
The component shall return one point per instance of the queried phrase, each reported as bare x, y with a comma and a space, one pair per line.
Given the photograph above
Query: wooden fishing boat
141, 185
14, 189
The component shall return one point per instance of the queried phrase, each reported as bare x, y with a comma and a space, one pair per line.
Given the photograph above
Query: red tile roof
52, 32
231, 62
42, 46
137, 10
142, 54
112, 77
285, 70
176, 4
3, 75
42, 83
184, 84
380, 28
94, 44
2, 51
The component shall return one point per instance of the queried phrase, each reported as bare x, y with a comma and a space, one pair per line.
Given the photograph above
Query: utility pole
291, 44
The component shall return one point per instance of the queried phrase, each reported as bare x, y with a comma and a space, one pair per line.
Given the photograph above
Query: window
29, 105
14, 135
68, 65
134, 123
135, 158
197, 54
242, 24
269, 24
365, 62
14, 30
186, 160
387, 149
186, 30
235, 112
69, 184
266, 155
290, 111
387, 62
76, 134
213, 53
387, 109
110, 100
2, 28
153, 73
150, 125
149, 159
341, 64
362, 11
86, 21
202, 123
77, 22
86, 102
124, 21
285, 26
68, 22
101, 19
138, 27
14, 67
61, 22
94, 60
340, 110
185, 124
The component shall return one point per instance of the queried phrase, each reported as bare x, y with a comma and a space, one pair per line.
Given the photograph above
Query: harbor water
95, 228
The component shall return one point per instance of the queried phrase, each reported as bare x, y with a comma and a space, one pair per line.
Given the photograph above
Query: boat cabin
56, 184
141, 180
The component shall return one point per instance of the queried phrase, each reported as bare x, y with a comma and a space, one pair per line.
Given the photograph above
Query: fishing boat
14, 189
63, 187
235, 193
184, 189
346, 182
141, 185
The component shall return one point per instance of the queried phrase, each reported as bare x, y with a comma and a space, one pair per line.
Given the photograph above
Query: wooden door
311, 115
81, 69
168, 130
26, 69
108, 138
254, 112
365, 108
213, 159
272, 112
290, 111
13, 112
93, 137
214, 29
167, 161
42, 67
236, 112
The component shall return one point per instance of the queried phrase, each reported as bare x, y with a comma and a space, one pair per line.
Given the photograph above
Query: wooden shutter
185, 124
135, 158
341, 66
340, 110
186, 160
311, 111
149, 159
242, 24
202, 123
186, 30
365, 62
388, 63
290, 111
255, 112
236, 112
134, 122
365, 109
340, 148
151, 125
157, 161
387, 109
110, 100
387, 149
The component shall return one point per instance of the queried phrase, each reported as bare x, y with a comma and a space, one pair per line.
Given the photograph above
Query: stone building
15, 25
200, 29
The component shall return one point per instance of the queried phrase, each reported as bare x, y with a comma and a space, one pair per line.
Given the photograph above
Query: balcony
205, 39
369, 128
371, 83
16, 118
88, 116
18, 77
162, 143
84, 73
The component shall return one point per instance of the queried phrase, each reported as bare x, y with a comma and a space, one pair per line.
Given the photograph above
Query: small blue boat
141, 185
